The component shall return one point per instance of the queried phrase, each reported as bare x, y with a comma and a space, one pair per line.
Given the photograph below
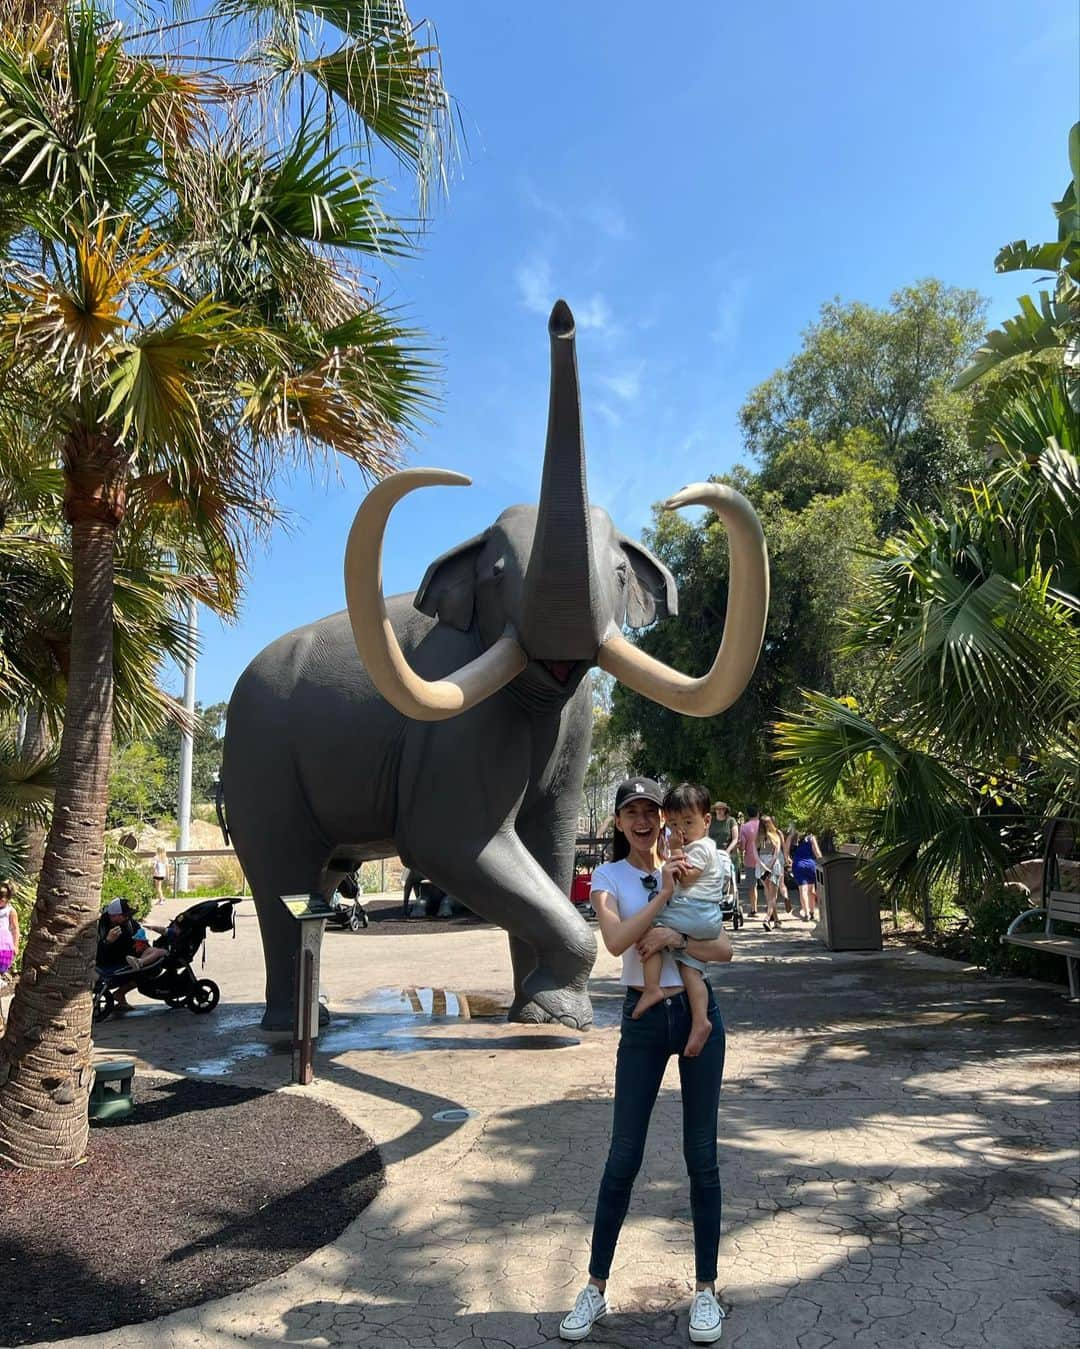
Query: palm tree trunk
45, 1055
36, 743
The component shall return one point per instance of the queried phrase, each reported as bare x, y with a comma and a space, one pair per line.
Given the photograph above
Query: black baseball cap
638, 789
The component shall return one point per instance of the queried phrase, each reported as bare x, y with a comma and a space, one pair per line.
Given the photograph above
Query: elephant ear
651, 592
448, 590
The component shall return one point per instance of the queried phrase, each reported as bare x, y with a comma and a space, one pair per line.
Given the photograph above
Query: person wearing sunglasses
629, 894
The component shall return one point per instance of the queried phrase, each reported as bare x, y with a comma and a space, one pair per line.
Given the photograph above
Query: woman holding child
630, 895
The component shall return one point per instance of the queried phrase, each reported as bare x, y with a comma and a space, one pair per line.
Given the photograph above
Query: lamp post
187, 744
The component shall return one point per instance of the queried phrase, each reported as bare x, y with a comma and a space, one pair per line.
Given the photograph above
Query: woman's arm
620, 934
814, 847
13, 921
718, 948
667, 939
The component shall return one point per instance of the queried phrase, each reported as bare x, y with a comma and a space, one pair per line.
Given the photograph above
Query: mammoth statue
459, 737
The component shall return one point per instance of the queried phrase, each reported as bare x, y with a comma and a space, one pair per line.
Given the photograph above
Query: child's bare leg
653, 994
697, 995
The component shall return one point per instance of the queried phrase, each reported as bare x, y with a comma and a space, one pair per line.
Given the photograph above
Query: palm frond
74, 112
153, 382
929, 828
351, 388
26, 785
1038, 327
1022, 256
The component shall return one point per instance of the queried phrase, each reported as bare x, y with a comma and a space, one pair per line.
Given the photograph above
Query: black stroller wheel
177, 1000
104, 1003
204, 997
357, 919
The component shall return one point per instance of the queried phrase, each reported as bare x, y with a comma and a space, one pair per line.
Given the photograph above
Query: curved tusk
744, 624
391, 673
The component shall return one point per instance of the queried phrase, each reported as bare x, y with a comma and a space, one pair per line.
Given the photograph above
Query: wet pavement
898, 1152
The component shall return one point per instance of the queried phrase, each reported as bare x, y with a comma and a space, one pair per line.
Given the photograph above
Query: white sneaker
706, 1318
590, 1306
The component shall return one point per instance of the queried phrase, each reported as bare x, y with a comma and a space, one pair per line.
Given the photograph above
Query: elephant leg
545, 835
283, 858
505, 884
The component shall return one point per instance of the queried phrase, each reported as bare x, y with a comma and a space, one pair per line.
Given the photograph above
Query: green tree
136, 784
183, 316
885, 371
971, 619
205, 756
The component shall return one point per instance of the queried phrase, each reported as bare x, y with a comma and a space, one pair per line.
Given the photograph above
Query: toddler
694, 909
145, 955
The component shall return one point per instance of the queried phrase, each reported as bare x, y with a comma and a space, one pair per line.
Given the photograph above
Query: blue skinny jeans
644, 1049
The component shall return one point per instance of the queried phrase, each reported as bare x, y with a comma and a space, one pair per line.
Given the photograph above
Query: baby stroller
729, 905
172, 980
348, 907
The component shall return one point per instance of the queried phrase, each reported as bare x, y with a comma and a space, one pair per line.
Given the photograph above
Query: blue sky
695, 180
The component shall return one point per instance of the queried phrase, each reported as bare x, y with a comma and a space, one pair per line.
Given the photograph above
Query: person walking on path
9, 937
629, 894
724, 832
748, 836
9, 929
159, 872
805, 855
770, 866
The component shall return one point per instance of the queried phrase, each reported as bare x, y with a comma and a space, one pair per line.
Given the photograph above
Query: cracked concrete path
898, 1143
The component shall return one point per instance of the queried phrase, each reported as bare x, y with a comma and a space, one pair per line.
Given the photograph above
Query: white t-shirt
623, 880
715, 867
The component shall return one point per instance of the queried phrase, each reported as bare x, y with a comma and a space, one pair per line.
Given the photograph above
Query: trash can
581, 887
850, 908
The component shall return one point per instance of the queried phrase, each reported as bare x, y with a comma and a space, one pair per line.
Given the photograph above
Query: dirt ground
206, 1189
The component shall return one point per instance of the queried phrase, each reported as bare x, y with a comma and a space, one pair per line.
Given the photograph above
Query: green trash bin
850, 908
110, 1096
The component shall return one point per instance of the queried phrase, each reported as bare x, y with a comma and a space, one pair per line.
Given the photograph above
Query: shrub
228, 876
990, 918
125, 878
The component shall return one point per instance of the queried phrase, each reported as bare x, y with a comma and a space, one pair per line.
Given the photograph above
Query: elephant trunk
560, 618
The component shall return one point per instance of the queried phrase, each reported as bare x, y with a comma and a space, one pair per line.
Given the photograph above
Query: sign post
311, 912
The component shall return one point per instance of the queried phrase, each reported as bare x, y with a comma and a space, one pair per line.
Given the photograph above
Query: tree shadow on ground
897, 1157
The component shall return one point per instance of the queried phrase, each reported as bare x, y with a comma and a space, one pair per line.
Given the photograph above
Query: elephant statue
452, 728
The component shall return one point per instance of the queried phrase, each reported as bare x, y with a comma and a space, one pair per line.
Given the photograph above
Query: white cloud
593, 315
607, 220
534, 283
729, 311
608, 413
626, 384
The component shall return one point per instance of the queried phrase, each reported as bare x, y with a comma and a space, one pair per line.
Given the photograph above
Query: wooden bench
1062, 906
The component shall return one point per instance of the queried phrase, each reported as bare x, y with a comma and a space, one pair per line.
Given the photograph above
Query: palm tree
182, 315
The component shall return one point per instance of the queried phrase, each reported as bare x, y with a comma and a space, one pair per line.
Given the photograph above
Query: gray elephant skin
452, 728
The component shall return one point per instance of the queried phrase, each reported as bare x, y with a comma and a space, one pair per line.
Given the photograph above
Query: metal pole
183, 805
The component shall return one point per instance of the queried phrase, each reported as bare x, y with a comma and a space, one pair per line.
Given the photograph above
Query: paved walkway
898, 1151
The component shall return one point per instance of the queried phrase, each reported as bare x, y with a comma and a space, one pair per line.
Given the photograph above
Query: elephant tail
219, 807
